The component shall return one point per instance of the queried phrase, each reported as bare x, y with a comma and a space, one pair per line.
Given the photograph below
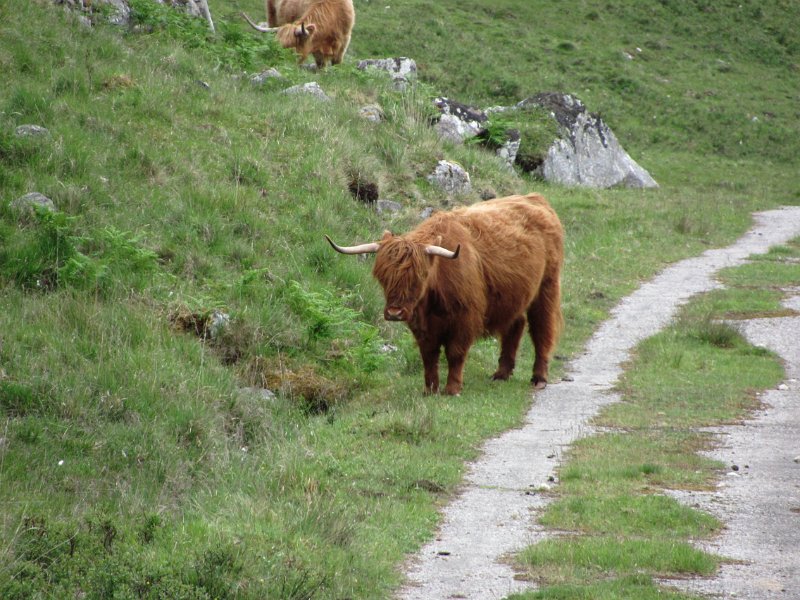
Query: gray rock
261, 393
400, 83
458, 122
31, 131
587, 153
26, 205
508, 151
388, 207
371, 112
426, 212
218, 323
264, 76
403, 67
452, 129
312, 88
120, 13
451, 177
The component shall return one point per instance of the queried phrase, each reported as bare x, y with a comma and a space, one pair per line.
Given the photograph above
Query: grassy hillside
134, 462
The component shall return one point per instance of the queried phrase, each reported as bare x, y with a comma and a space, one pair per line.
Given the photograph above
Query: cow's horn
439, 251
259, 27
361, 249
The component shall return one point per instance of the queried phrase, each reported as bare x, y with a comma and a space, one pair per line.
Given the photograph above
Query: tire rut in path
494, 514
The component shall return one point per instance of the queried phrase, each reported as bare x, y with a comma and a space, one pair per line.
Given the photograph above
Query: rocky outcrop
587, 152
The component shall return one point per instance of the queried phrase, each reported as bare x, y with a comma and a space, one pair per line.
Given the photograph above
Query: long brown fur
323, 30
281, 12
508, 272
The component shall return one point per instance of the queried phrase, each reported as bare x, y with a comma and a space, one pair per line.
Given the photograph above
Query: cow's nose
393, 314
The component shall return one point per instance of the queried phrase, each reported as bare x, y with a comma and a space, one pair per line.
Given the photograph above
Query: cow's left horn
439, 251
361, 249
259, 27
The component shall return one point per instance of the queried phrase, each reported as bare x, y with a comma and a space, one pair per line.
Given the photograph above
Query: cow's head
290, 35
295, 35
401, 267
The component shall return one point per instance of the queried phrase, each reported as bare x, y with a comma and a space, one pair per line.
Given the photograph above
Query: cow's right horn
361, 249
439, 251
259, 27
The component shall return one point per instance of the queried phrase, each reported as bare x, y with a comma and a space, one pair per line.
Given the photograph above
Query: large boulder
583, 152
587, 152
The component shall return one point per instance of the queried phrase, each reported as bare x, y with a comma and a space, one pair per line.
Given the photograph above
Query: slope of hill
135, 460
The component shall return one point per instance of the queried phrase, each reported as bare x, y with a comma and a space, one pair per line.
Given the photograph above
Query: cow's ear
311, 28
387, 235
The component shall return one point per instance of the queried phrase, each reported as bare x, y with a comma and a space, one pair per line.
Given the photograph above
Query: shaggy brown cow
505, 266
323, 30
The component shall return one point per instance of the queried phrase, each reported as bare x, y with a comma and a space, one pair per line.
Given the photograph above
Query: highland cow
481, 270
322, 30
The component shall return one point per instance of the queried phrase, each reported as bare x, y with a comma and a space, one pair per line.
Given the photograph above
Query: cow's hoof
500, 376
539, 383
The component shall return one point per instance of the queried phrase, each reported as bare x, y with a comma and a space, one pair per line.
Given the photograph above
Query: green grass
133, 462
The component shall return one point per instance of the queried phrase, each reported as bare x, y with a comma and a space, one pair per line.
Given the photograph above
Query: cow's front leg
429, 351
456, 357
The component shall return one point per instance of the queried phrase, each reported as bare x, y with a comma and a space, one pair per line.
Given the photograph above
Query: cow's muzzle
393, 314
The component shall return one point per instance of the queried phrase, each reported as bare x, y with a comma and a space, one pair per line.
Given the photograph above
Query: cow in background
471, 272
323, 29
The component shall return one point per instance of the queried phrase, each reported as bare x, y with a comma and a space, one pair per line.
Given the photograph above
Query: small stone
264, 76
26, 205
388, 206
262, 393
783, 387
797, 459
734, 467
218, 322
371, 112
31, 131
311, 88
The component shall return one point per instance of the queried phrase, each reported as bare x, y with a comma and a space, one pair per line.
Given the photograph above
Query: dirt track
494, 514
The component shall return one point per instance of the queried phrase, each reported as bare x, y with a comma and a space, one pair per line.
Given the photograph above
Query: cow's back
519, 240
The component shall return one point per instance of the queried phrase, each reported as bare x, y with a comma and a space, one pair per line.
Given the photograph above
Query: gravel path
494, 515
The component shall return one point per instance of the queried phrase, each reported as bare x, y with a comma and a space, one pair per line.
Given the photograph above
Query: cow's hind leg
509, 343
544, 322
